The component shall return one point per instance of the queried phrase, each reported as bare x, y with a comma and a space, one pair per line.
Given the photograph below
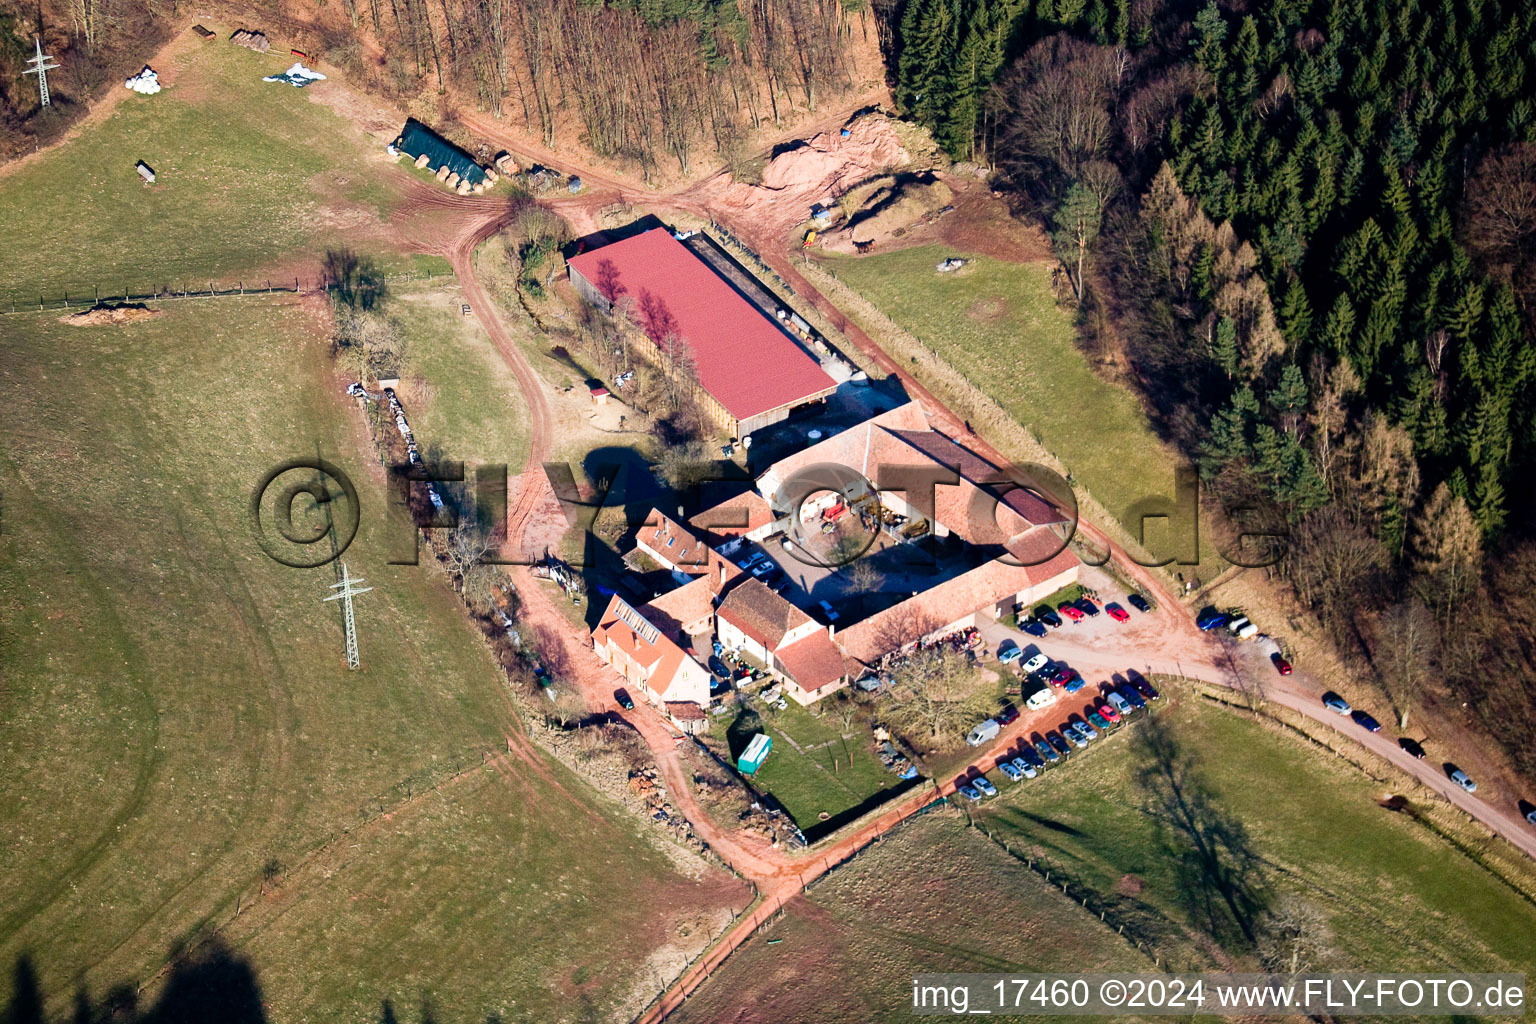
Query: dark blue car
1210, 619
1365, 721
1034, 628
1129, 693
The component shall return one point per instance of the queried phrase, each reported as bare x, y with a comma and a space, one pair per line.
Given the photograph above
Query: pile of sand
820, 169
110, 314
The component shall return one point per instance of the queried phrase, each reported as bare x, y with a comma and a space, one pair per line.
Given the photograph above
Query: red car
1071, 611
1108, 711
1060, 674
1116, 612
1281, 665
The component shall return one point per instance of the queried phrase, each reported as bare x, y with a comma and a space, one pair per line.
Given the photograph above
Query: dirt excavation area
110, 314
871, 185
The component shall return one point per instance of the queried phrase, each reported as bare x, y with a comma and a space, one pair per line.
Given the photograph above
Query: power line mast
41, 71
346, 590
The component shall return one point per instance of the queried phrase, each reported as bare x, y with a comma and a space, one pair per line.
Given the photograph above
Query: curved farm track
453, 226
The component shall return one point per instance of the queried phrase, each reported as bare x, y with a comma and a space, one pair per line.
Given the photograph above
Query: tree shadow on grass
1220, 875
211, 984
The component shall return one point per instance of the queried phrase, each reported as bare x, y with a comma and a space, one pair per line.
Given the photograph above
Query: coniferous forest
1309, 229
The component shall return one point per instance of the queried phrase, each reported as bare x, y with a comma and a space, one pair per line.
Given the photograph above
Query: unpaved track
455, 226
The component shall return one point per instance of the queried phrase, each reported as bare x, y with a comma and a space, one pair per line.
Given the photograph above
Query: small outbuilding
431, 150
146, 172
756, 753
206, 33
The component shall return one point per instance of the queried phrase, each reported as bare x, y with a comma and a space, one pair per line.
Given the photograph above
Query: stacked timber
251, 40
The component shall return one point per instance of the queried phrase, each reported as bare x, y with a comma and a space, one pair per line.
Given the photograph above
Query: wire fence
94, 295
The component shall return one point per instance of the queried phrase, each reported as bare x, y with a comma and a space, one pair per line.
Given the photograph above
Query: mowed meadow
249, 175
180, 737
999, 325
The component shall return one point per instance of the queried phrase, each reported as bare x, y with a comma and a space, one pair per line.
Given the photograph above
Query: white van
1241, 628
983, 732
1043, 697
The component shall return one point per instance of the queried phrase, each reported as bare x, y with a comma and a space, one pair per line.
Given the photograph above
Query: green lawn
1398, 898
934, 896
828, 774
473, 408
999, 325
177, 714
250, 174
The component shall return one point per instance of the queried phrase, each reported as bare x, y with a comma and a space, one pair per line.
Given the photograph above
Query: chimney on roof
722, 572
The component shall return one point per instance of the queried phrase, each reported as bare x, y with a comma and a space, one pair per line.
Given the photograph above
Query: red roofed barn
751, 371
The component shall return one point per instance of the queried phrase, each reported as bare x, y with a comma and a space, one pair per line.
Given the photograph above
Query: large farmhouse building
750, 371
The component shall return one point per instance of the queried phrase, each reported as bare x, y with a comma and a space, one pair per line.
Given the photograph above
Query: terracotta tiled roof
624, 627
1032, 508
673, 544
951, 600
685, 711
864, 447
744, 359
760, 613
694, 601
813, 661
733, 517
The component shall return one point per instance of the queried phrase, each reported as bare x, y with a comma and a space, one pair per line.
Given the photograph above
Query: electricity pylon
346, 590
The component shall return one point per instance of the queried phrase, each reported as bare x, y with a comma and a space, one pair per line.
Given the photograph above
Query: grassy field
999, 325
472, 409
827, 774
1397, 897
179, 724
250, 173
934, 896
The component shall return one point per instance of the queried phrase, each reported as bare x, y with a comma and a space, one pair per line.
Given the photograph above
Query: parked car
1086, 606
717, 668
1011, 654
1007, 768
1088, 731
1461, 779
1119, 703
1069, 731
1030, 755
763, 568
1281, 665
982, 783
1333, 702
1058, 744
1530, 815
1046, 615
1024, 768
1365, 721
1071, 611
1138, 602
1109, 711
1098, 720
751, 560
1007, 715
1059, 674
1129, 693
983, 732
1116, 612
970, 794
1413, 748
1034, 627
1047, 751
829, 611
624, 700
1074, 683
1036, 662
1042, 697
1144, 687
1242, 628
1210, 618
